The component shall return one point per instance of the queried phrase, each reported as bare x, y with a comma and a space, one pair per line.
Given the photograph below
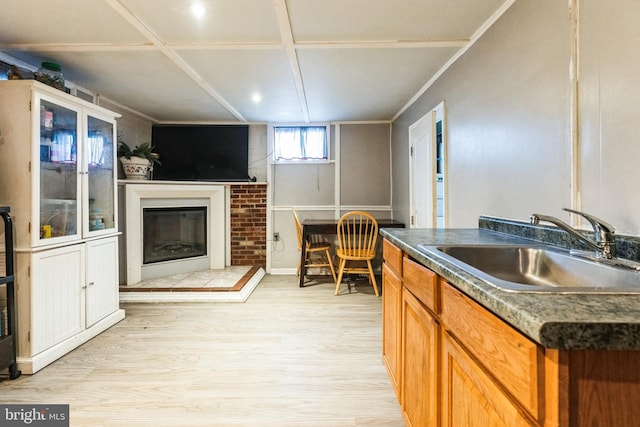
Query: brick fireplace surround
249, 224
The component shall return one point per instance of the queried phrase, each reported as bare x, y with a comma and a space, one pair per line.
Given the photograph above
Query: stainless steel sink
536, 269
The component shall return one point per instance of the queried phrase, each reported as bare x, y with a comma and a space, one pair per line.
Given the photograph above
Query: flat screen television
201, 152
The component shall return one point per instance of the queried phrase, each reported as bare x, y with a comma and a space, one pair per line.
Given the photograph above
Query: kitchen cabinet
457, 359
410, 335
461, 365
420, 332
477, 342
469, 396
392, 309
419, 384
57, 165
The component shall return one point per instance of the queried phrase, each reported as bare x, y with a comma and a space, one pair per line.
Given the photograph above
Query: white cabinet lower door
57, 296
102, 279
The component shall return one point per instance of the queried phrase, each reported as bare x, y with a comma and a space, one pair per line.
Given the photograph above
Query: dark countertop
553, 320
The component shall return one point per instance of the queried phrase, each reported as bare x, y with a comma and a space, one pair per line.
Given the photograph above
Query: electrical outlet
276, 237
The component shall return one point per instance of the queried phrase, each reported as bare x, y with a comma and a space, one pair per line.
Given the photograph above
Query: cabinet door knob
91, 283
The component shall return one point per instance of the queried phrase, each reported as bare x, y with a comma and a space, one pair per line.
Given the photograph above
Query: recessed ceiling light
256, 98
198, 10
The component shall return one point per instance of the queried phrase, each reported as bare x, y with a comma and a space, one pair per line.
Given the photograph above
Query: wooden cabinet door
391, 325
470, 398
419, 381
57, 307
102, 279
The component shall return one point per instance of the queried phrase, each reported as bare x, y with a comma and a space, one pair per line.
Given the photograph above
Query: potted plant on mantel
137, 163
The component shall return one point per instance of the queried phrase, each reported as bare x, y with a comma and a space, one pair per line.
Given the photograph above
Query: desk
329, 226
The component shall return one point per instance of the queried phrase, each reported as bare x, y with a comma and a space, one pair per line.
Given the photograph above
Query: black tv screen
201, 152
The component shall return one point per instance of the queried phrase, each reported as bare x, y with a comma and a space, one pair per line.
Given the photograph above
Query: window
307, 143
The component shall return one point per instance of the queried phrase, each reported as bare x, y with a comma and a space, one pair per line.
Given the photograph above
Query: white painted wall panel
609, 111
507, 102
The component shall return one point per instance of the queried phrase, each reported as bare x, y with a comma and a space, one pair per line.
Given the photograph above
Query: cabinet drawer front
422, 283
392, 256
514, 360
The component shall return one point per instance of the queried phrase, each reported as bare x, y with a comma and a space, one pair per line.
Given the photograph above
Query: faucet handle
599, 226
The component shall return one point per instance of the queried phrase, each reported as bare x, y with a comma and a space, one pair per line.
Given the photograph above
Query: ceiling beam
172, 55
79, 47
284, 24
125, 47
382, 44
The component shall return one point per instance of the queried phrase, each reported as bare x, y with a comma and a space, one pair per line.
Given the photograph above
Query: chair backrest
357, 234
298, 228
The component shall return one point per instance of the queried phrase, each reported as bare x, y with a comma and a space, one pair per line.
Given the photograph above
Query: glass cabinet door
99, 158
59, 184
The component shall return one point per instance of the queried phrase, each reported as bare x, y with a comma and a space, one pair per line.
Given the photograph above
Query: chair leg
372, 278
333, 272
340, 273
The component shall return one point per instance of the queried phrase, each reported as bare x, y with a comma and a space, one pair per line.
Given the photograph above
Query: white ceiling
309, 60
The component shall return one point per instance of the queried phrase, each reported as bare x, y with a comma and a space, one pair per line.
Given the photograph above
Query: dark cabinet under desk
8, 334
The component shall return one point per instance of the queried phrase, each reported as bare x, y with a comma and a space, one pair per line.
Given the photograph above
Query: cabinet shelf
58, 166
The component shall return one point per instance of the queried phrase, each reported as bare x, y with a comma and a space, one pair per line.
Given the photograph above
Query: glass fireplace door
173, 233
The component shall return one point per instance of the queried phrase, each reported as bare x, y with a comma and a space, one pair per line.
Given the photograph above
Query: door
100, 176
470, 398
102, 279
57, 177
422, 172
427, 170
57, 309
391, 324
419, 380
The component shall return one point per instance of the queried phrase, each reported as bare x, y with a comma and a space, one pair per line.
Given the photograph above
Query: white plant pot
135, 167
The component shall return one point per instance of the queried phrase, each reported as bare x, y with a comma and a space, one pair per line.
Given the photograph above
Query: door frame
434, 115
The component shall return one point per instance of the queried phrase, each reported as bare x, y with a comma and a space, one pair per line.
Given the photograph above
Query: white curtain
300, 142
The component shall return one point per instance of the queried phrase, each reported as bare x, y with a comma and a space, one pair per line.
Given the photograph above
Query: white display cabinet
58, 172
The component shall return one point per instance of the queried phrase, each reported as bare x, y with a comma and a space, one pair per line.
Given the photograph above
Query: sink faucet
604, 242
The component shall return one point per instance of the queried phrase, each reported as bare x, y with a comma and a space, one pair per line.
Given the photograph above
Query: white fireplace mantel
136, 195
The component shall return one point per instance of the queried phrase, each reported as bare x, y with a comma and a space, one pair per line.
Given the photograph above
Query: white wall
508, 108
258, 155
132, 128
610, 112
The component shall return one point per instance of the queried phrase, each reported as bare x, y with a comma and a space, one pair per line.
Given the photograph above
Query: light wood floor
285, 357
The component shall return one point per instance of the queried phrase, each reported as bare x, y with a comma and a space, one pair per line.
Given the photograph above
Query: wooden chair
357, 235
313, 249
